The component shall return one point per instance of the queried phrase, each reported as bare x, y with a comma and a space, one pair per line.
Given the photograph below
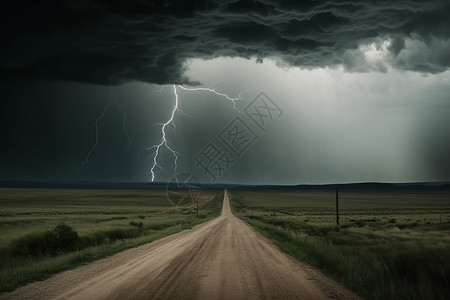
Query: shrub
61, 239
64, 238
30, 244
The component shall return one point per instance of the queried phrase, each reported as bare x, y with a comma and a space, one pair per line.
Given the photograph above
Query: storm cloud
111, 42
364, 87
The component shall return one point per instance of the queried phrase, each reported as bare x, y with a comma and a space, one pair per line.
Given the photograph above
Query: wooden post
197, 208
337, 207
274, 214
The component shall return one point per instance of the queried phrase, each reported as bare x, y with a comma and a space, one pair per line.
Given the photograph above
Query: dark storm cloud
109, 42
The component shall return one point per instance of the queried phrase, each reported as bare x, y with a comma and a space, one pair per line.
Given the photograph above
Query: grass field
105, 222
390, 245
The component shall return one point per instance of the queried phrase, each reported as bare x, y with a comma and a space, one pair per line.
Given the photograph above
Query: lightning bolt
164, 143
159, 90
112, 100
211, 90
124, 122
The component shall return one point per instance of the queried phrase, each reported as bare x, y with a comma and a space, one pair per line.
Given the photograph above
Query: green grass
106, 221
391, 249
17, 271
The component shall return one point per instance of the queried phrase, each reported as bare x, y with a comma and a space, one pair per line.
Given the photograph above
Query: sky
267, 92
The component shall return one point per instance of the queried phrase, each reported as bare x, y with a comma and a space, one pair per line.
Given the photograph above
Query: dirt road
221, 259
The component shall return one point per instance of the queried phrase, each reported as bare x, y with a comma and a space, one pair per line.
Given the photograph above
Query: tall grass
375, 266
18, 270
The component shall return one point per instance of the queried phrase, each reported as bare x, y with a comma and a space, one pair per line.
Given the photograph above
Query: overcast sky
328, 91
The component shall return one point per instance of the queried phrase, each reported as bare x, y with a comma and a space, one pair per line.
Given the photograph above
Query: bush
64, 238
30, 245
61, 239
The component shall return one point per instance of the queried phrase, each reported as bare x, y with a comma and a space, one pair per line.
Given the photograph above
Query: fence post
337, 207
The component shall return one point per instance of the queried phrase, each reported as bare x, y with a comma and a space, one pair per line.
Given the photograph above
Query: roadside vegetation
45, 231
396, 248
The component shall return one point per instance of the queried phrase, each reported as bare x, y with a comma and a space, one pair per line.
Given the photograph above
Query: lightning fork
112, 99
212, 90
163, 143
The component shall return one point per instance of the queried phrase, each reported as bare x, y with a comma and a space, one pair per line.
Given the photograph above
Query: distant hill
362, 186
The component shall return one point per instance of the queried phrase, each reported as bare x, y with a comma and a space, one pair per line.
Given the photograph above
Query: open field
105, 221
390, 244
223, 258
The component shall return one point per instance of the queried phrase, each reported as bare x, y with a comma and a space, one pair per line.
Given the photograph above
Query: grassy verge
375, 257
17, 271
33, 249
